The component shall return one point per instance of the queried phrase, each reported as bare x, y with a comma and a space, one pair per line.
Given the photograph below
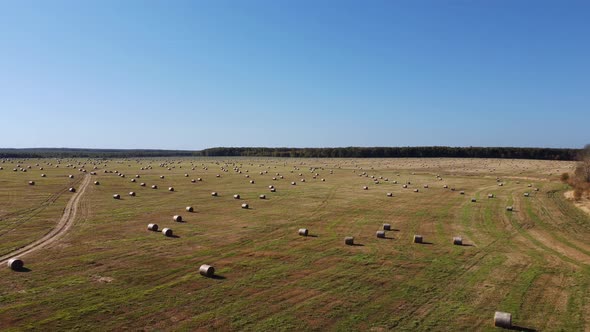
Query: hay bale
15, 264
380, 234
189, 209
416, 190
405, 186
154, 186
245, 206
386, 227
207, 271
152, 227
214, 194
43, 175
72, 190
117, 196
303, 232
132, 180
193, 180
418, 238
31, 183
293, 183
462, 192
502, 319
177, 218
501, 184
236, 196
170, 188
262, 196
161, 176
349, 240
71, 176
96, 183
251, 181
445, 186
137, 176
426, 186
167, 232
536, 189
323, 180
272, 190
199, 179
142, 184
458, 241
365, 188
526, 194
132, 193
509, 208
473, 200
490, 195
389, 194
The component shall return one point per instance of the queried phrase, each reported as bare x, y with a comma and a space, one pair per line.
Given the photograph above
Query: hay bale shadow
23, 270
218, 277
174, 236
312, 235
357, 245
425, 242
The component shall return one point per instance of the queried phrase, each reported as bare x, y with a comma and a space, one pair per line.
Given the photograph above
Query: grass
110, 273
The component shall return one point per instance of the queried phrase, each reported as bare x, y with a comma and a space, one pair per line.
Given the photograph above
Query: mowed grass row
109, 272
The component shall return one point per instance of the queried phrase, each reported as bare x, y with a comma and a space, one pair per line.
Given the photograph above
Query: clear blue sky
198, 74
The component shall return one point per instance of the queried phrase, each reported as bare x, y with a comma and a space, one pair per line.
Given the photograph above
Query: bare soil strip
62, 227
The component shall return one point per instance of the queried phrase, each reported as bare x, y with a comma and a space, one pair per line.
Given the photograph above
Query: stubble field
108, 272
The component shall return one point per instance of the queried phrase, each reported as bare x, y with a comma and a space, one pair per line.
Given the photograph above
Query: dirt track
64, 224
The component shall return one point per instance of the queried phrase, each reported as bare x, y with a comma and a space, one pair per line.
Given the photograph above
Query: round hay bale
262, 196
349, 240
167, 232
416, 190
386, 227
445, 186
217, 175
132, 180
96, 183
365, 188
490, 195
302, 180
116, 196
189, 209
199, 179
462, 192
15, 264
152, 227
170, 188
502, 319
536, 189
132, 193
31, 183
207, 271
161, 176
43, 175
458, 241
271, 186
72, 190
303, 232
473, 200
405, 186
137, 176
142, 184
526, 194
214, 194
185, 175
236, 196
251, 181
418, 238
426, 186
71, 176
245, 206
177, 218
501, 184
509, 208
380, 234
154, 186
272, 190
389, 194
193, 180
293, 183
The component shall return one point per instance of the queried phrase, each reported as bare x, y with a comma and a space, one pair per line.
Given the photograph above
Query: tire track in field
64, 224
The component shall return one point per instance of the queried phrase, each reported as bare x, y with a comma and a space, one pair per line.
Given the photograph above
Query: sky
276, 73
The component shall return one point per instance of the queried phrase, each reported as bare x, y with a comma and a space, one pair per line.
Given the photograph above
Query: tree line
346, 152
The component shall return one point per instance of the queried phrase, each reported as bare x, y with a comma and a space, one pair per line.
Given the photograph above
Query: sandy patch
583, 204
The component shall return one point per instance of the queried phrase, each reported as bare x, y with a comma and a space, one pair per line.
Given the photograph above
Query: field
108, 272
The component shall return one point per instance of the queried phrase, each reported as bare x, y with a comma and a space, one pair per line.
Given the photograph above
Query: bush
565, 177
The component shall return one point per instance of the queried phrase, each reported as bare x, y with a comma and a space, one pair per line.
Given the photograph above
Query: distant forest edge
348, 152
